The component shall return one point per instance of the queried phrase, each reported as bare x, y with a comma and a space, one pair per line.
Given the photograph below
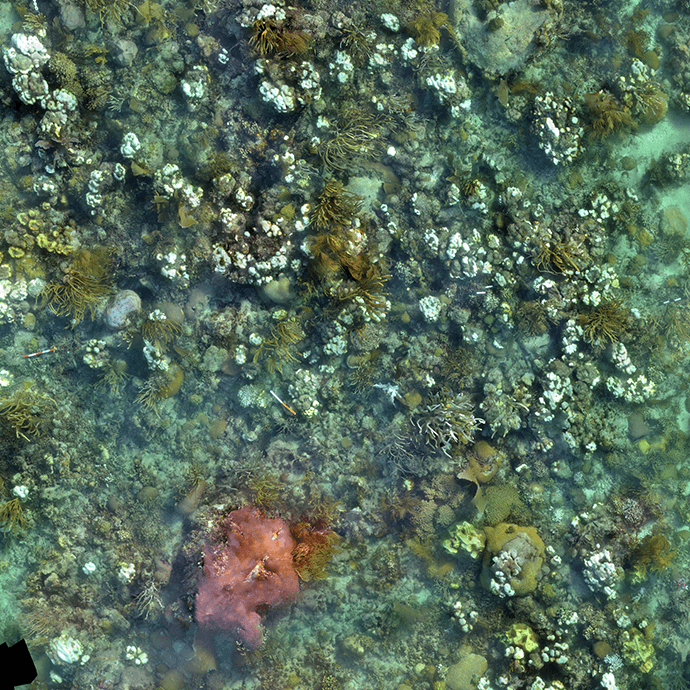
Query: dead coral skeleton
148, 601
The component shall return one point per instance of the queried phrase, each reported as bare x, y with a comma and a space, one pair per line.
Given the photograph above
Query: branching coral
532, 318
148, 602
447, 420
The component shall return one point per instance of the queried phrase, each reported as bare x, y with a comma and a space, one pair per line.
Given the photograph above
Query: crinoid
367, 292
358, 43
606, 323
109, 11
161, 385
158, 329
113, 375
83, 288
608, 115
39, 619
316, 544
336, 206
270, 38
650, 103
275, 349
12, 520
425, 28
27, 412
356, 136
654, 552
556, 257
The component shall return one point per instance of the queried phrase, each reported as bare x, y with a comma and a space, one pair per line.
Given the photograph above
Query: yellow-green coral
525, 541
521, 635
465, 538
500, 501
55, 241
637, 648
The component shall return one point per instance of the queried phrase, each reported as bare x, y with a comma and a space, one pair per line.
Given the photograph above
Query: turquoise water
345, 346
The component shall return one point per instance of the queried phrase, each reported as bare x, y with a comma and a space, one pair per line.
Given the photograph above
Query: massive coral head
248, 568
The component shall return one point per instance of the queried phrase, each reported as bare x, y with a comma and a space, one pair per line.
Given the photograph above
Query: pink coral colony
248, 567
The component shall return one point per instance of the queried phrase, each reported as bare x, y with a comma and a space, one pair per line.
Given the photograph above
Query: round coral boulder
121, 306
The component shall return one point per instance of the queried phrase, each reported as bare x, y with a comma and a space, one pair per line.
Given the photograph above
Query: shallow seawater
344, 346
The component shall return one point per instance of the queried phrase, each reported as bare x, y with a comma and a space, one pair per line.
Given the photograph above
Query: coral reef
264, 256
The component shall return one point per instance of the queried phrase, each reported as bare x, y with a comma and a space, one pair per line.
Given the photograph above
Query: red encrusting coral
248, 567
